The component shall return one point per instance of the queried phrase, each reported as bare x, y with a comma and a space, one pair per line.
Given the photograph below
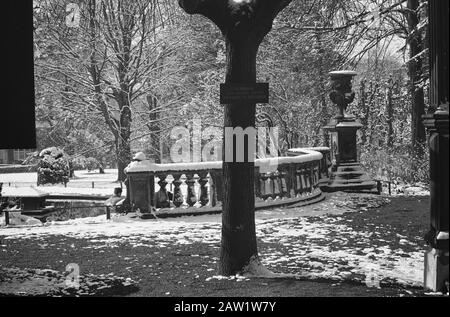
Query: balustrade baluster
304, 180
282, 182
318, 177
191, 198
177, 195
310, 177
203, 180
322, 167
264, 184
290, 181
298, 180
274, 184
328, 164
313, 176
162, 197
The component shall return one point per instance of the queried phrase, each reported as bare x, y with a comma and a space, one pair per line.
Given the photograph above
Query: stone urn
341, 90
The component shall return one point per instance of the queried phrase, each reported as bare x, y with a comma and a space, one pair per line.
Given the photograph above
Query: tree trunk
390, 115
95, 73
320, 92
418, 135
123, 143
154, 128
238, 218
363, 107
244, 24
324, 119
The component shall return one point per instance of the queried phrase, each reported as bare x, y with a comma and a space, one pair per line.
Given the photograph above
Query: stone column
436, 272
437, 256
347, 173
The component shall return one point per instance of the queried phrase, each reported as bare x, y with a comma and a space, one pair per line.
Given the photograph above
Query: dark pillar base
347, 173
436, 270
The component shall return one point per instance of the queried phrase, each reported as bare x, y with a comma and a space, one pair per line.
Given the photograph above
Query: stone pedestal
347, 173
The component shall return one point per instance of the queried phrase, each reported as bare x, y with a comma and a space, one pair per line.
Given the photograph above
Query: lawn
348, 245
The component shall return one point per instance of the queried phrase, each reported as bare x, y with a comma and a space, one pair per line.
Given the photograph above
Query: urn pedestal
347, 173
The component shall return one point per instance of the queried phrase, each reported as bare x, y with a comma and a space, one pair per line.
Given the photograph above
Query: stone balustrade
324, 164
191, 188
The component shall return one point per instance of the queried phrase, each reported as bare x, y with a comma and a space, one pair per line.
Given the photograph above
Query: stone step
368, 185
353, 168
360, 178
350, 164
354, 174
353, 181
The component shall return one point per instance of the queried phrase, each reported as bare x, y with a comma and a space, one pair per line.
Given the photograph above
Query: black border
17, 103
150, 306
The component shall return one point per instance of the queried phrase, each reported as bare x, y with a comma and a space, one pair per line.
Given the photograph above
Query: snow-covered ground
80, 176
321, 246
402, 189
325, 249
104, 184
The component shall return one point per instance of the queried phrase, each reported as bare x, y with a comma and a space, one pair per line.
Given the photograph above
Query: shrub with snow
53, 167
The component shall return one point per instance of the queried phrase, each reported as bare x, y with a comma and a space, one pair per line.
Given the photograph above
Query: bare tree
112, 62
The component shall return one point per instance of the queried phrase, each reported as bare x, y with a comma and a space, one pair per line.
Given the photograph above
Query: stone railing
324, 164
191, 188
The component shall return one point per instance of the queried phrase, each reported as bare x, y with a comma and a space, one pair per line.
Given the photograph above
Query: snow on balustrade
317, 149
305, 155
185, 187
